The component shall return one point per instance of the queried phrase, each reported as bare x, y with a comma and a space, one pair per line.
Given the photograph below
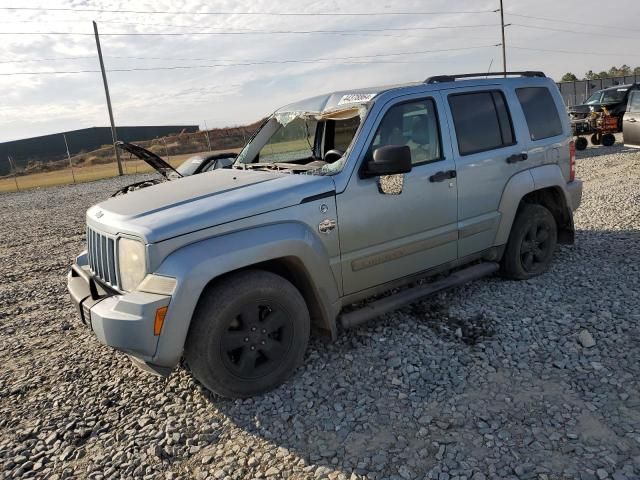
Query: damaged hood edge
151, 159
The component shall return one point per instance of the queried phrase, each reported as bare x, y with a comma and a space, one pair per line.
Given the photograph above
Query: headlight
131, 263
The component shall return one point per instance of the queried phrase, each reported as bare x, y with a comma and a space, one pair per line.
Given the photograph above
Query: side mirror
389, 160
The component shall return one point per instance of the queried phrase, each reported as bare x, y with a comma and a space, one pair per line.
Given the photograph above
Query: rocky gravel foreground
529, 380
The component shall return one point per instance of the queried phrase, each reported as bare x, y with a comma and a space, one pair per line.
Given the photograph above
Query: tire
596, 139
531, 244
581, 143
248, 334
608, 139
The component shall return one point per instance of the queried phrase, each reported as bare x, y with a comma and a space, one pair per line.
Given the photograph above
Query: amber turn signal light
159, 321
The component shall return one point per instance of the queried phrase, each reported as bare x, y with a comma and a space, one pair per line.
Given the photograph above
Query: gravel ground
498, 379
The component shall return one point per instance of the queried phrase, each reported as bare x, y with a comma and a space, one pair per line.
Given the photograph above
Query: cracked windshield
291, 142
301, 144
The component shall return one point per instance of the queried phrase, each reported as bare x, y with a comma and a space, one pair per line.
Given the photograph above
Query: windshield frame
262, 136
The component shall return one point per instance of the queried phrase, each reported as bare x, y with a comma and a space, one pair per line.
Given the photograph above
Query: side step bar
413, 294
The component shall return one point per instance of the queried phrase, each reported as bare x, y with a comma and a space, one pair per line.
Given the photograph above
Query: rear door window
540, 111
482, 121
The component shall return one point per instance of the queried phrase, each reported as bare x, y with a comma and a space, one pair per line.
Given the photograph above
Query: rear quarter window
540, 112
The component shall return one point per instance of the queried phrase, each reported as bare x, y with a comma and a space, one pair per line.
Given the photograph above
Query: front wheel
248, 334
531, 244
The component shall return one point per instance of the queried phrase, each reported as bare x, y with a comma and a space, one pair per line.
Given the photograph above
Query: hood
157, 163
171, 209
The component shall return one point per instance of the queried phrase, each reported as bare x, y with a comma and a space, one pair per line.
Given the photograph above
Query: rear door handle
442, 176
517, 157
632, 120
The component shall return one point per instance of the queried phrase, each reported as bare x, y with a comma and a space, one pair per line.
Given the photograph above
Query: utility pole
69, 157
15, 174
106, 92
164, 140
206, 129
504, 47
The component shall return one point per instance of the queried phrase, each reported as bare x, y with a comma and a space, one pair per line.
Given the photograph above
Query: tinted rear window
540, 111
481, 120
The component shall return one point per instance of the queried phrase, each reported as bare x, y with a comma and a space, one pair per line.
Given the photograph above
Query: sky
247, 66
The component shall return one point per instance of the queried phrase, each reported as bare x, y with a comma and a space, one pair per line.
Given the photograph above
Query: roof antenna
489, 70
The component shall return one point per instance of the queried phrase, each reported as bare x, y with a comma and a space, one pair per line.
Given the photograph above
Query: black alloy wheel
531, 244
257, 339
536, 247
248, 334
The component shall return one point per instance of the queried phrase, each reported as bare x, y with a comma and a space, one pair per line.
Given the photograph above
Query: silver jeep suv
335, 199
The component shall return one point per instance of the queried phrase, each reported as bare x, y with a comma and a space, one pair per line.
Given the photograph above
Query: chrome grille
101, 250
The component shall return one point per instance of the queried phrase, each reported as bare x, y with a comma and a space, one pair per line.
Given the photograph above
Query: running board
413, 294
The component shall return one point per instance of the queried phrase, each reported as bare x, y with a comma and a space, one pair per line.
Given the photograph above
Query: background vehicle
334, 200
631, 123
601, 115
191, 166
613, 99
206, 163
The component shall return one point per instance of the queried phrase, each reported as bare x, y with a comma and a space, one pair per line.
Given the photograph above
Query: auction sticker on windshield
356, 98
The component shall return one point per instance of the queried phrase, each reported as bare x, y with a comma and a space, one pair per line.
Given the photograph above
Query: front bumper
574, 189
122, 321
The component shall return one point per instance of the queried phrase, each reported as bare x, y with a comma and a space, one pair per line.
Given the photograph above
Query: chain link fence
101, 163
577, 92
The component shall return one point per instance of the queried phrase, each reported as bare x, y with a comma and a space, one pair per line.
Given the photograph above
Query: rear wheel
608, 139
248, 334
531, 243
581, 143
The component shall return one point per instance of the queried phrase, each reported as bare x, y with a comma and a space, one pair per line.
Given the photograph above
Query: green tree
568, 77
623, 70
619, 71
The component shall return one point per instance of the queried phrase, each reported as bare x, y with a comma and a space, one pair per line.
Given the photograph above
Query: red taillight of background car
572, 161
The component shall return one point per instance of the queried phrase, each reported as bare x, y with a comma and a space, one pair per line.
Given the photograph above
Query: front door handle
518, 157
442, 176
632, 120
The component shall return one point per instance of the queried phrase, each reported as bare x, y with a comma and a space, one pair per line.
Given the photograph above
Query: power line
563, 21
235, 31
259, 32
283, 14
126, 57
564, 30
253, 63
34, 60
573, 52
547, 19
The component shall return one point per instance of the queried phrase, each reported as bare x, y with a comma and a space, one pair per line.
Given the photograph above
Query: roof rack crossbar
453, 78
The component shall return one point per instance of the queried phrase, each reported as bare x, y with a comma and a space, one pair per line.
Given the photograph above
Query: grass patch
85, 173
